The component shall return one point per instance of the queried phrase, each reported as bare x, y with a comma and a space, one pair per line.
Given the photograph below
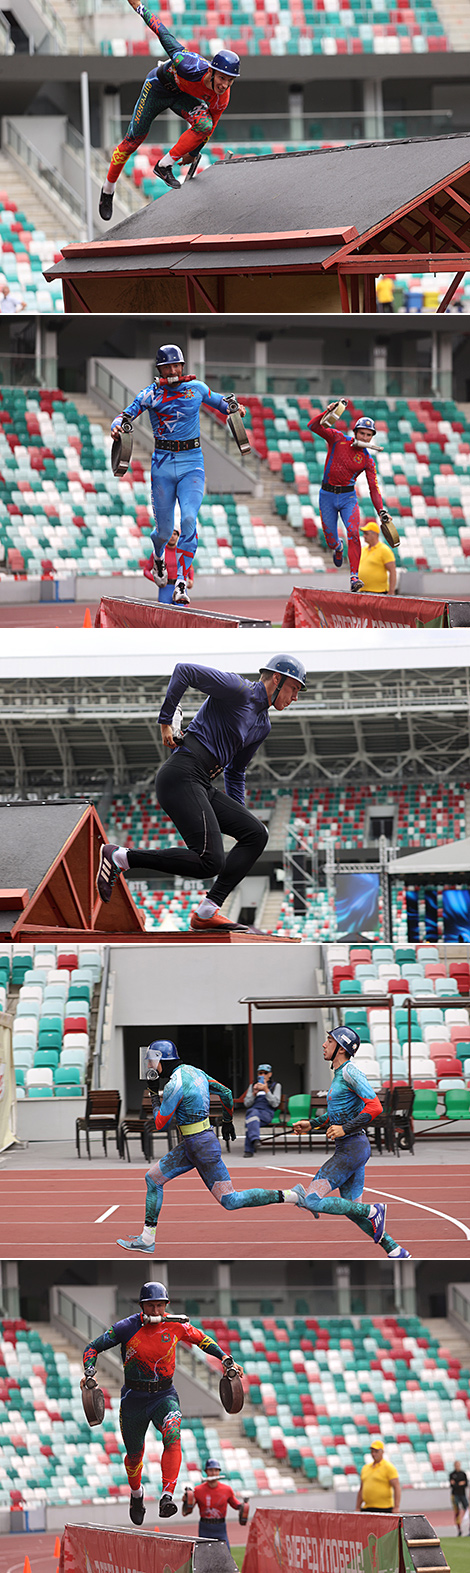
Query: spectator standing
377, 566
380, 1490
458, 1482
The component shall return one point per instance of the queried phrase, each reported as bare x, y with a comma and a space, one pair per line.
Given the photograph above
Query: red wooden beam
444, 228
190, 293
445, 302
197, 285
440, 262
388, 223
456, 197
84, 250
343, 291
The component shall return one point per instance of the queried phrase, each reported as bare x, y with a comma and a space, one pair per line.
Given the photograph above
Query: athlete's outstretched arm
225, 1095
170, 44
371, 472
119, 1333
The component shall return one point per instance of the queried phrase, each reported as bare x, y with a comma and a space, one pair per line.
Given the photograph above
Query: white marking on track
102, 1216
389, 1195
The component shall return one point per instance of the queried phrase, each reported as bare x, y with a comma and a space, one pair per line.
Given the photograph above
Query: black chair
102, 1112
381, 1128
402, 1119
140, 1126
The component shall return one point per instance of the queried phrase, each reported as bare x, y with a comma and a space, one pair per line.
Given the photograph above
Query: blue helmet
212, 1463
367, 422
153, 1292
287, 666
160, 1049
346, 1038
168, 355
226, 61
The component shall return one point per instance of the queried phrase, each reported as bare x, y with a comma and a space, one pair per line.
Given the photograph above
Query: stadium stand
61, 510
52, 993
301, 27
24, 251
318, 1388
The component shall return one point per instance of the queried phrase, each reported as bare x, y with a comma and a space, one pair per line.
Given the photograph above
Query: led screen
357, 904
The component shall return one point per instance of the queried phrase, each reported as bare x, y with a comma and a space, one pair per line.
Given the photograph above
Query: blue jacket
232, 723
174, 412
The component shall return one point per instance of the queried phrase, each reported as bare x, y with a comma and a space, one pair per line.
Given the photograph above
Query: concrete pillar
373, 109
50, 354
445, 366
197, 353
316, 1074
404, 1284
9, 1289
296, 114
224, 1289
111, 129
342, 1279
379, 365
261, 362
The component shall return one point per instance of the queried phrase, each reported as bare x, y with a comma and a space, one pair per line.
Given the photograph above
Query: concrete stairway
279, 821
86, 405
271, 910
30, 201
455, 18
78, 29
450, 1337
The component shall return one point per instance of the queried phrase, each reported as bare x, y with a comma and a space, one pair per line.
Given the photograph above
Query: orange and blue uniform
183, 83
148, 1353
344, 464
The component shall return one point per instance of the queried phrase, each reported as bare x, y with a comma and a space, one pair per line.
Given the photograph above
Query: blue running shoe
399, 1254
137, 1245
377, 1215
338, 555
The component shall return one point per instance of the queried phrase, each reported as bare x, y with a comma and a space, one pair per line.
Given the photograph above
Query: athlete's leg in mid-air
351, 519
207, 1159
190, 492
345, 1172
168, 1168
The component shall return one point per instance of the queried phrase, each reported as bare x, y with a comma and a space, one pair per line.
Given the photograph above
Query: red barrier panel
90, 1548
151, 614
333, 609
323, 1542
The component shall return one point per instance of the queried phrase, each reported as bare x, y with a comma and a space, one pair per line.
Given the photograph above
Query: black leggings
202, 814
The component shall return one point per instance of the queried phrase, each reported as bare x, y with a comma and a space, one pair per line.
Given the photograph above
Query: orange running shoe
216, 922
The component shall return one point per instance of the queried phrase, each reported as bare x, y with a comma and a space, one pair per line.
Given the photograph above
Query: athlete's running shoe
137, 1245
167, 1507
217, 922
137, 1509
180, 595
377, 1216
105, 205
156, 570
338, 555
399, 1254
356, 583
166, 174
107, 872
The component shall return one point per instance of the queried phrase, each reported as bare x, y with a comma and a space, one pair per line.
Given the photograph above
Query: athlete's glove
154, 1093
228, 1131
229, 1367
188, 1501
243, 1511
385, 516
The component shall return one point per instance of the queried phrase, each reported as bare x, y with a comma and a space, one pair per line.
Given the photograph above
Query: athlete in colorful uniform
224, 735
193, 88
148, 1341
347, 458
173, 402
186, 1100
351, 1105
212, 1497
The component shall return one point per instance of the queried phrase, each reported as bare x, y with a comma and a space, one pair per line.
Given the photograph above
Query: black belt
148, 1387
177, 447
326, 488
200, 752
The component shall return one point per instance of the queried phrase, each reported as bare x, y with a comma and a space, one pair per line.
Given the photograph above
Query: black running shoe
107, 872
105, 205
166, 174
167, 1507
137, 1509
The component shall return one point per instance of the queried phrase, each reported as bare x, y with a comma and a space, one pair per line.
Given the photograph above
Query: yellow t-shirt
373, 567
385, 291
376, 1487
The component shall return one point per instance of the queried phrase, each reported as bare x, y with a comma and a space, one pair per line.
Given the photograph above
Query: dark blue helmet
212, 1463
287, 666
153, 1292
163, 1049
225, 60
168, 355
367, 422
346, 1038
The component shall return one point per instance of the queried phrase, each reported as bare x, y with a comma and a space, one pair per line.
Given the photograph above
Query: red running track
55, 1214
70, 614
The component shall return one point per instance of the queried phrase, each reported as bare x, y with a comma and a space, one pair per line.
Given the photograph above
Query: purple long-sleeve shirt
232, 723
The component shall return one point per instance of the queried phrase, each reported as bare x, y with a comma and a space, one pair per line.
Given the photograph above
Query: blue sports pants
177, 476
332, 504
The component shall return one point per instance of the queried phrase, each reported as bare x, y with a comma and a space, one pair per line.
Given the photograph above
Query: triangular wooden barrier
66, 899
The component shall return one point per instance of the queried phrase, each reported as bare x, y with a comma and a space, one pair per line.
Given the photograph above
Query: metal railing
53, 24
43, 171
323, 382
301, 131
6, 45
128, 194
98, 1051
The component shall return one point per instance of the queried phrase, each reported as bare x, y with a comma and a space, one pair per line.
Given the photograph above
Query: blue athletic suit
174, 416
187, 1096
351, 1103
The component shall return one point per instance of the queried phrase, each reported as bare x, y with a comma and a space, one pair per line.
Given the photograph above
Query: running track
55, 1214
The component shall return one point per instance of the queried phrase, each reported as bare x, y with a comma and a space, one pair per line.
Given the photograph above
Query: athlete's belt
192, 1130
149, 1387
326, 488
177, 447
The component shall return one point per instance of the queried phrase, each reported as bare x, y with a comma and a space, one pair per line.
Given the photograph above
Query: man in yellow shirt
385, 291
380, 1490
377, 567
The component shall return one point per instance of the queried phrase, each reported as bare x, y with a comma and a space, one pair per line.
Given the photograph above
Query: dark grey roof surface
31, 836
358, 185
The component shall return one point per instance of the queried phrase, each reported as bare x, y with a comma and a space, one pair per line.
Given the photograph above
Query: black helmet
153, 1292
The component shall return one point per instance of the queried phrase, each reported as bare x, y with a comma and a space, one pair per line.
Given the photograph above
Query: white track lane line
390, 1197
102, 1217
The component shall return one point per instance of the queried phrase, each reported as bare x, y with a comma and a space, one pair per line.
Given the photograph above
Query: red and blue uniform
184, 83
148, 1353
176, 476
344, 464
213, 1498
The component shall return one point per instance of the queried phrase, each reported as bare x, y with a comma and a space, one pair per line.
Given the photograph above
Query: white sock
206, 908
148, 1233
291, 1196
138, 1493
120, 858
108, 187
167, 161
